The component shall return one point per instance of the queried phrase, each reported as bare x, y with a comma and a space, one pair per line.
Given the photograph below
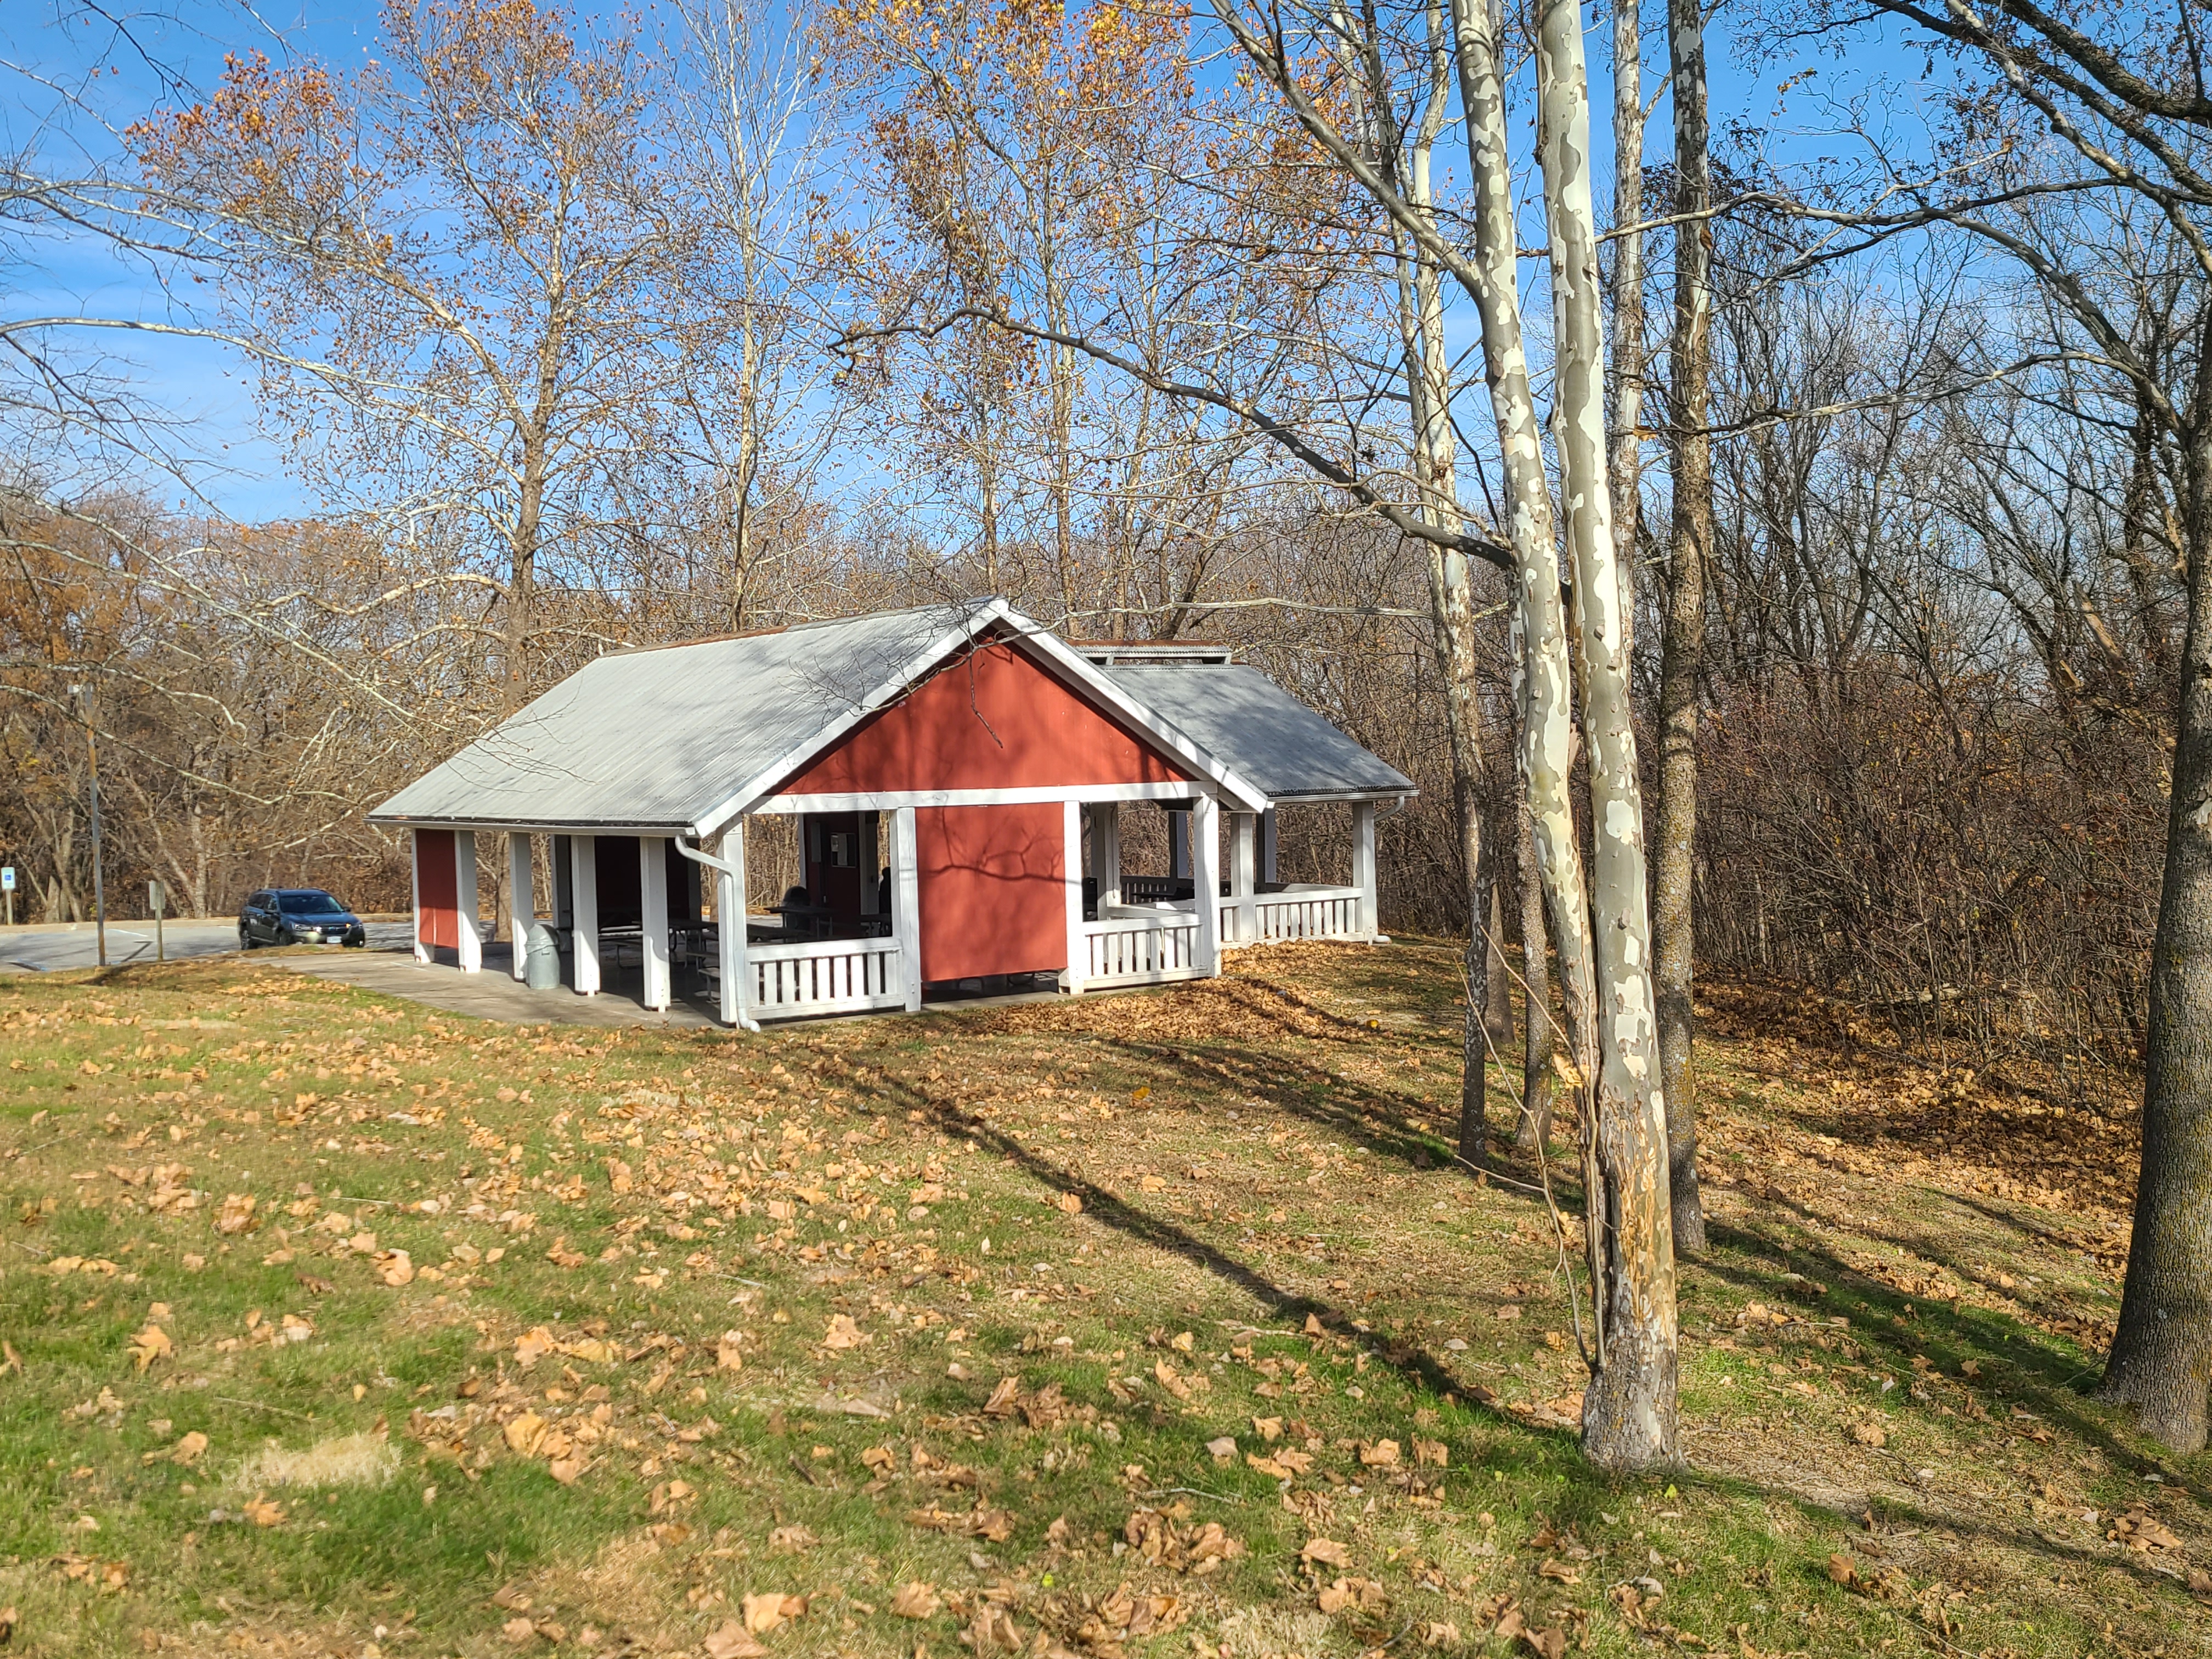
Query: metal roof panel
1236, 713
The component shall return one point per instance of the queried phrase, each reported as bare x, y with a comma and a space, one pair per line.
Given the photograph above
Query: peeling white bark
1629, 1415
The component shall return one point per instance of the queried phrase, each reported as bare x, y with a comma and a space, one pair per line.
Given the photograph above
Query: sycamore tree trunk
1405, 150
1629, 1419
1627, 294
1535, 1129
1542, 669
1682, 642
2161, 1357
522, 573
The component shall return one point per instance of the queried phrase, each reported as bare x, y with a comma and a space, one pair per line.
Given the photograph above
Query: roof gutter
737, 880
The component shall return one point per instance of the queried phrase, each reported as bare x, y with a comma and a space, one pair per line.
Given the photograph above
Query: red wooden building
959, 777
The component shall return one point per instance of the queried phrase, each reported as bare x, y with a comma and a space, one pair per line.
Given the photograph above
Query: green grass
636, 1196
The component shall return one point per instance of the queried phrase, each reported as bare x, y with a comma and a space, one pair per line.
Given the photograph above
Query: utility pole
83, 696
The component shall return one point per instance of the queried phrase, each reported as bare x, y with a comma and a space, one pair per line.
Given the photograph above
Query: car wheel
245, 939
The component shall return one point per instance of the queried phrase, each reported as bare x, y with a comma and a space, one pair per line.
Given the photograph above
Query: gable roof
1241, 716
680, 740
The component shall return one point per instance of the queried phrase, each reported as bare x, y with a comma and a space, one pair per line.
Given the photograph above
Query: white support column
905, 904
1362, 868
521, 897
1106, 852
653, 897
465, 899
1205, 881
1244, 867
730, 927
415, 878
584, 905
1079, 945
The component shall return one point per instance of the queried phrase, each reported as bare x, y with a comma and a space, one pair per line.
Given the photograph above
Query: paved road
42, 952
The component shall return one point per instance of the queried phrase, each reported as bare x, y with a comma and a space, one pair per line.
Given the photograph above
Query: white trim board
890, 801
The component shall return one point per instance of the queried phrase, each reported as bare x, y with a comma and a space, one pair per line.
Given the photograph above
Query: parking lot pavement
44, 950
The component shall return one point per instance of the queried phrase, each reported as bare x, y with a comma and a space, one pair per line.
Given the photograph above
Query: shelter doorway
993, 889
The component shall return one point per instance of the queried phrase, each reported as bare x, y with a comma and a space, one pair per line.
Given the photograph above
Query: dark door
837, 873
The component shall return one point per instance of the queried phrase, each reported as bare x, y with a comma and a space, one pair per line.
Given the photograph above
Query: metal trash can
541, 963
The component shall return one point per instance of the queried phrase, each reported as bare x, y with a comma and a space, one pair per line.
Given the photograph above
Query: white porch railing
1304, 912
1133, 946
796, 978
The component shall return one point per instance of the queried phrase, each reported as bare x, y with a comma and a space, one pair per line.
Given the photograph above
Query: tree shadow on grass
2028, 1369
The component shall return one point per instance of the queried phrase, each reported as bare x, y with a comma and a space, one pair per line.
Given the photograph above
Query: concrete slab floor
495, 993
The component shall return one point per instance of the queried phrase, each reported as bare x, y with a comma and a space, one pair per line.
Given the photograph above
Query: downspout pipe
745, 1022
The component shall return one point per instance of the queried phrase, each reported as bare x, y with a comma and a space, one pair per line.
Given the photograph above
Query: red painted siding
437, 889
991, 720
993, 898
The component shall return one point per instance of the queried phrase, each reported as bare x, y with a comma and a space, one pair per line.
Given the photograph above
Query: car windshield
310, 904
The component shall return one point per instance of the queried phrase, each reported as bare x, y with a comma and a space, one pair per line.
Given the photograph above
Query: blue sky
79, 78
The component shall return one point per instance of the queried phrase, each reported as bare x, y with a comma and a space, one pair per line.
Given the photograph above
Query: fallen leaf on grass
729, 1351
993, 1630
792, 1538
1223, 1450
1269, 1429
1326, 1551
395, 1268
1434, 1453
731, 1640
765, 1612
525, 1434
518, 1630
915, 1600
843, 1333
533, 1345
1868, 1434
1380, 1455
150, 1345
1070, 1203
236, 1214
2139, 1529
187, 1448
1363, 1594
262, 1512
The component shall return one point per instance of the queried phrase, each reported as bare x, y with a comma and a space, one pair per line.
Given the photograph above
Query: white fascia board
1073, 668
745, 797
580, 827
888, 800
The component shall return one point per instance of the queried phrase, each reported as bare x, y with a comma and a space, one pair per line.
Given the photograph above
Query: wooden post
415, 878
465, 900
1205, 846
653, 896
521, 897
1078, 942
905, 904
1244, 875
584, 905
730, 925
1106, 852
1362, 868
